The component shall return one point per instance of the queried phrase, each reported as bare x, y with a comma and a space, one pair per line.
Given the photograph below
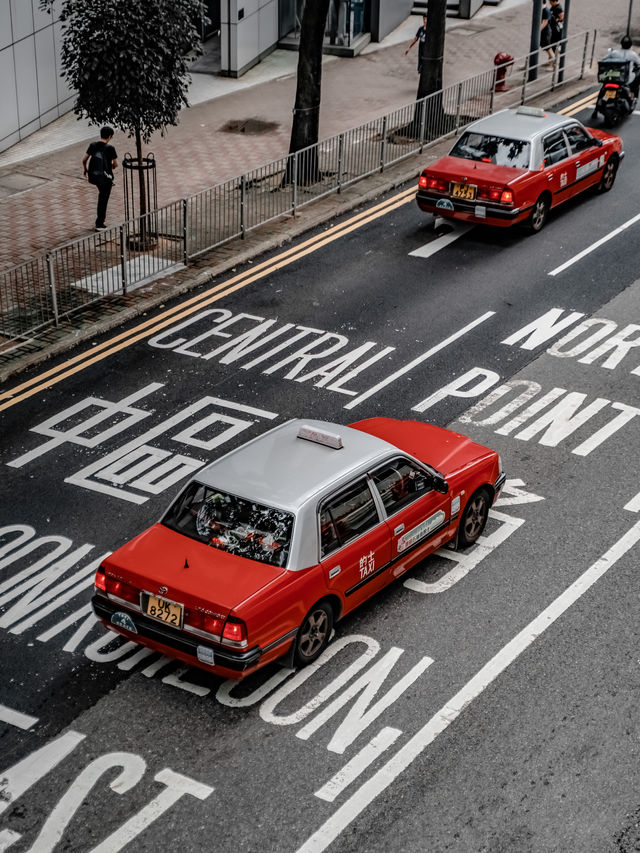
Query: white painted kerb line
365, 795
416, 361
595, 246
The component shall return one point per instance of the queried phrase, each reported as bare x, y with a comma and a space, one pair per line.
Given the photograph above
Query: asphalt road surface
485, 702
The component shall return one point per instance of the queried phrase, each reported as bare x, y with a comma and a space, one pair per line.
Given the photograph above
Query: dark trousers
104, 191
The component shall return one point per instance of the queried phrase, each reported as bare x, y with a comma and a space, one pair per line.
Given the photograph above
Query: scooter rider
624, 53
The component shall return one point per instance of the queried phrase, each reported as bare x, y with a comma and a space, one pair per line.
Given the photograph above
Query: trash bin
503, 63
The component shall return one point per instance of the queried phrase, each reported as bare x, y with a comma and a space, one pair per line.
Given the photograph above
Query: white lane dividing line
358, 764
595, 246
416, 361
457, 230
16, 718
414, 747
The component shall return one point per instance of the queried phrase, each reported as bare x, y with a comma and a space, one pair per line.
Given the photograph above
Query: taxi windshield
232, 524
497, 150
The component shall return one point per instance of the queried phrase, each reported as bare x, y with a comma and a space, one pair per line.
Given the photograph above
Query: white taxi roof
281, 470
522, 123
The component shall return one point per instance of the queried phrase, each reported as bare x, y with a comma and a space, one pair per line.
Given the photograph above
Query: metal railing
71, 277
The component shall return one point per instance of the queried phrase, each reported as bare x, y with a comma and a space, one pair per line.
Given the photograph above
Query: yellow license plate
165, 611
463, 191
609, 94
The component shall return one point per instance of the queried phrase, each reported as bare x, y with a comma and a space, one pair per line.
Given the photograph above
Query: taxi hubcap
475, 518
315, 633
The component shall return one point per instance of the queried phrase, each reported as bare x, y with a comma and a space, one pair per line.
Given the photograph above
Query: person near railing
98, 163
556, 20
421, 38
545, 33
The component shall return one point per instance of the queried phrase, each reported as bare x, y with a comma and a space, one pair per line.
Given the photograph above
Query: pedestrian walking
421, 38
556, 18
545, 33
98, 163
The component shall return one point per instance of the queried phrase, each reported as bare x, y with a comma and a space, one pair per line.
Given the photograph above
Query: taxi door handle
398, 530
549, 177
335, 571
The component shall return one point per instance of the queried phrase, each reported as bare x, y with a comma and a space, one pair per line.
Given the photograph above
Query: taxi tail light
204, 622
100, 581
612, 85
235, 632
506, 197
123, 590
422, 182
432, 183
489, 193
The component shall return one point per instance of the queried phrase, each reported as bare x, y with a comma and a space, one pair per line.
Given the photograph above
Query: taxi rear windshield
232, 524
497, 150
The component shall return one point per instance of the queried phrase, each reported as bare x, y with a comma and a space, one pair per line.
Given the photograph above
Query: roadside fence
71, 277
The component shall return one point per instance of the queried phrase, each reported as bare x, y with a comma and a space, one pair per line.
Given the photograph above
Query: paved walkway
44, 201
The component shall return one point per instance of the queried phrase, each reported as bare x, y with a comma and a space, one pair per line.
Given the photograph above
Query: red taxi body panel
564, 159
232, 614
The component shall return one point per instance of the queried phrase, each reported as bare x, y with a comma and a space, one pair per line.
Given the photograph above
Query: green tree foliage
127, 59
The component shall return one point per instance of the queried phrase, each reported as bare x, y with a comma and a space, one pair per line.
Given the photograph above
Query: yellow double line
582, 104
191, 306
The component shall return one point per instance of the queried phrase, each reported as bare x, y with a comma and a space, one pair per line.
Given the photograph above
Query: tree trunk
141, 188
306, 113
428, 116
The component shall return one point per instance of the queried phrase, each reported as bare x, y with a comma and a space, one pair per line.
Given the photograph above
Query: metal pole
563, 44
525, 76
52, 288
584, 54
458, 105
629, 18
185, 249
295, 182
340, 156
123, 256
382, 144
243, 195
536, 20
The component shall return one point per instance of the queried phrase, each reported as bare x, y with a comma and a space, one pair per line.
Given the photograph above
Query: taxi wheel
314, 634
474, 518
608, 175
539, 214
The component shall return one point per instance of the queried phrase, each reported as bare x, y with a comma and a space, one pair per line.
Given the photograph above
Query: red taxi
515, 165
271, 544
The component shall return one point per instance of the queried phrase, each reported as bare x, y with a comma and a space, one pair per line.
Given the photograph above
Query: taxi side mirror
441, 485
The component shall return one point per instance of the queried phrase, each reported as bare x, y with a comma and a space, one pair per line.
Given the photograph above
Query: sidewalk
44, 201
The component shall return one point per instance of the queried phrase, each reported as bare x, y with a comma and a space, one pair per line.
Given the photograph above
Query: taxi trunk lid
475, 173
163, 562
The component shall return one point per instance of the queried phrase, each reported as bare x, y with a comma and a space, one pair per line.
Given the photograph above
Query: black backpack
99, 167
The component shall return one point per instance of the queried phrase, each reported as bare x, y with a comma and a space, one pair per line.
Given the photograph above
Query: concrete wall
386, 15
33, 93
248, 31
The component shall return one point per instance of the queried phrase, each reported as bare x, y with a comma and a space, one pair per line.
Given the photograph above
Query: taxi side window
347, 516
555, 148
400, 483
579, 139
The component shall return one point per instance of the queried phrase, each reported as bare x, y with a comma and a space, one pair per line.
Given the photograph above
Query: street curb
239, 251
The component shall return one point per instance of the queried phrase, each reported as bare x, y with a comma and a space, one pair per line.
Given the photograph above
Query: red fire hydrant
503, 63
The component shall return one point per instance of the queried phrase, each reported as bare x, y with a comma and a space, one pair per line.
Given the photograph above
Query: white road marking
381, 780
634, 504
595, 245
458, 229
15, 718
419, 360
358, 764
466, 562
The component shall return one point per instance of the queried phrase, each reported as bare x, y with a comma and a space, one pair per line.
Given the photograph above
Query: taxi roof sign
329, 439
531, 111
